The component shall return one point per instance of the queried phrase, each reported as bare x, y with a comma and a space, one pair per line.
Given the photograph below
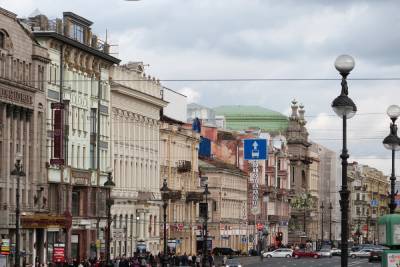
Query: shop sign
15, 96
80, 177
5, 247
42, 221
59, 252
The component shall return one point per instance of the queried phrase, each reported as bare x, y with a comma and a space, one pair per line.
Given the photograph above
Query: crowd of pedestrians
142, 260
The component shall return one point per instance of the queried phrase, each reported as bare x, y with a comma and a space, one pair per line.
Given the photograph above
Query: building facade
179, 166
23, 65
369, 201
136, 104
78, 133
227, 204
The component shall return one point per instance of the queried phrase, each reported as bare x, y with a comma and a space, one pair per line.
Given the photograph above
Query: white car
362, 253
325, 252
278, 253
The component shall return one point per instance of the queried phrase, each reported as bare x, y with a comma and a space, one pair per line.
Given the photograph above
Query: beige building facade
23, 64
369, 201
135, 129
227, 204
78, 133
179, 166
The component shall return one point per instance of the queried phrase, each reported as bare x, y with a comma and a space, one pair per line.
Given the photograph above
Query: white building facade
136, 103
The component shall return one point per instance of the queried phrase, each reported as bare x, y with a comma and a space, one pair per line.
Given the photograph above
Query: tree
303, 202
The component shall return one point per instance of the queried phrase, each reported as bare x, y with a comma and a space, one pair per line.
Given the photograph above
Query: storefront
48, 230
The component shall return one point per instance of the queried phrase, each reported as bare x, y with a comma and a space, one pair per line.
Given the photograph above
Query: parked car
376, 254
301, 253
233, 263
362, 253
224, 251
325, 252
278, 253
336, 251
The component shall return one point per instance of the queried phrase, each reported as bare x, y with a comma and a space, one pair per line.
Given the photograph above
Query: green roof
249, 117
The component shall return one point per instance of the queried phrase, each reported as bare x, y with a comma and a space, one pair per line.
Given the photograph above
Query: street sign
374, 203
255, 149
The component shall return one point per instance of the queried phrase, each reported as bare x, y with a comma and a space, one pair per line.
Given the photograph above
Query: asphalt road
306, 262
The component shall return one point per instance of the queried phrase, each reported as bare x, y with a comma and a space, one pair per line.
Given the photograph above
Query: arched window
2, 39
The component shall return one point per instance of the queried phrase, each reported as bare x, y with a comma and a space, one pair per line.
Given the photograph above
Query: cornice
158, 102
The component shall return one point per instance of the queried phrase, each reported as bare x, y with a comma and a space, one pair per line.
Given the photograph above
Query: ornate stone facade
22, 118
136, 103
78, 86
179, 165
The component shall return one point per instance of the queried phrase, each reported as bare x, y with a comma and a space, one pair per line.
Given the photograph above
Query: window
358, 210
279, 165
77, 32
75, 203
292, 173
2, 39
278, 182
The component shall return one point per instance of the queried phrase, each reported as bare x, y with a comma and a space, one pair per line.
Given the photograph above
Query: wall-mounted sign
59, 252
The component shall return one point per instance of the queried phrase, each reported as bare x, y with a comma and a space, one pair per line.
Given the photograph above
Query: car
362, 253
233, 263
325, 252
222, 251
301, 253
335, 251
376, 254
278, 253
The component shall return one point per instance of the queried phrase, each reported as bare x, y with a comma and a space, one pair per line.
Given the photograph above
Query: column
146, 225
34, 250
43, 252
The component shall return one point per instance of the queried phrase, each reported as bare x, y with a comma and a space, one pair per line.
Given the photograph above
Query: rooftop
240, 117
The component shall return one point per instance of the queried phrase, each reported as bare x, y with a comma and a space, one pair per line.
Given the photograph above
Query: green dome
246, 117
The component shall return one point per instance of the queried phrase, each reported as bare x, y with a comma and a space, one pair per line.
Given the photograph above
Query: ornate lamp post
392, 142
205, 226
109, 184
345, 108
165, 196
18, 172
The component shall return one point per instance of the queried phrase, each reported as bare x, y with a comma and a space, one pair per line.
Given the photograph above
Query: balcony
360, 202
184, 166
193, 196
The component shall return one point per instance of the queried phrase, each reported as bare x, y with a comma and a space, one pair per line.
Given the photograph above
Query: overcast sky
215, 39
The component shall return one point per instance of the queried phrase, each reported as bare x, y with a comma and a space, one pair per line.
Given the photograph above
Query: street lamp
392, 142
109, 184
330, 222
17, 172
205, 226
345, 108
322, 222
165, 196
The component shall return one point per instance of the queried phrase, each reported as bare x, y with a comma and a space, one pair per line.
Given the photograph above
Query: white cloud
192, 95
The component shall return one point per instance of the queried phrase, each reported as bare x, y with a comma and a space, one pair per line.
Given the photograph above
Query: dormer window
77, 32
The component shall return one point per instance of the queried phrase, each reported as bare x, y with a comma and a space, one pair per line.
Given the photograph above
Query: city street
283, 262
